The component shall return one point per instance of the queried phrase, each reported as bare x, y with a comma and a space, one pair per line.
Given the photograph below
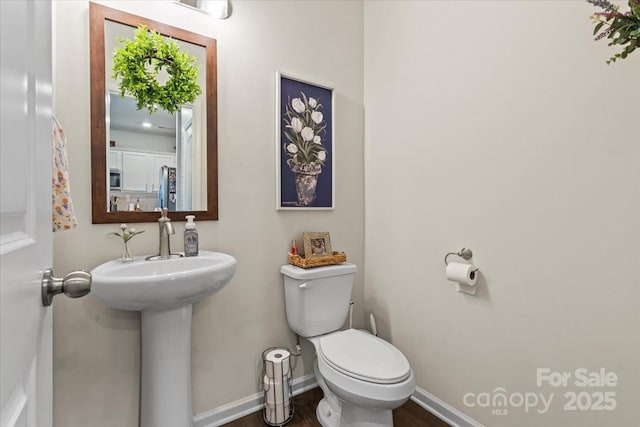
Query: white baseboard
443, 410
248, 405
254, 403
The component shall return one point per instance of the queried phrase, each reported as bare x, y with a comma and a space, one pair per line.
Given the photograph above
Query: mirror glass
160, 143
142, 161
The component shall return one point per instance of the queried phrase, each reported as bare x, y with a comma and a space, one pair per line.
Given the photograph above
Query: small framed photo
316, 244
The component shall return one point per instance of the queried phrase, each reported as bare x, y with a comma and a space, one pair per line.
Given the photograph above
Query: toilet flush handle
305, 285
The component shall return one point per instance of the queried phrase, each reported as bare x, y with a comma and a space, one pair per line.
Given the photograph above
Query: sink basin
162, 284
164, 291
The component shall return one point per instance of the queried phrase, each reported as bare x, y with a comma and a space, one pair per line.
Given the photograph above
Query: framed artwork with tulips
304, 137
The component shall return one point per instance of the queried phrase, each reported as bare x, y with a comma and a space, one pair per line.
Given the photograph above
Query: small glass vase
127, 255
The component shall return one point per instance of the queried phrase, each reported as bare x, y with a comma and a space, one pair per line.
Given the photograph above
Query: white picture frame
306, 101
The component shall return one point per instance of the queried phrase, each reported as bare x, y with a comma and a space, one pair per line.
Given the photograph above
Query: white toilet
362, 376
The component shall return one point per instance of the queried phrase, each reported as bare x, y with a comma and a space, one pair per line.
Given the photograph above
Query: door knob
74, 285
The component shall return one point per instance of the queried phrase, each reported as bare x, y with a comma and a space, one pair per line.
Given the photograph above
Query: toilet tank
317, 299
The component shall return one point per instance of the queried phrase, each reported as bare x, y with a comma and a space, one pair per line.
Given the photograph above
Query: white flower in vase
307, 134
316, 116
296, 125
298, 105
303, 147
126, 235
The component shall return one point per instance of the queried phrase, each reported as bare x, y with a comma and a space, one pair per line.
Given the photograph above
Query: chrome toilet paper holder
464, 253
283, 406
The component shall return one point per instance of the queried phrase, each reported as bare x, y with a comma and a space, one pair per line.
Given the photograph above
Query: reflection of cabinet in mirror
141, 143
139, 173
140, 170
115, 160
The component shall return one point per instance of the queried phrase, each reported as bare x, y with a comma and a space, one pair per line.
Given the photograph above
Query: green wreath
138, 63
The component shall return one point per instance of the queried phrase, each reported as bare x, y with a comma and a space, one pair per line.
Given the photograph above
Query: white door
25, 213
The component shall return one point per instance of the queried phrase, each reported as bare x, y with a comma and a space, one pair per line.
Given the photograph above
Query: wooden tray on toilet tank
317, 261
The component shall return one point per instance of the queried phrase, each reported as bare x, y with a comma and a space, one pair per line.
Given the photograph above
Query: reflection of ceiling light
218, 8
146, 124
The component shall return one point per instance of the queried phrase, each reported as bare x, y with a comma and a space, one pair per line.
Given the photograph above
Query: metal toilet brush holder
277, 379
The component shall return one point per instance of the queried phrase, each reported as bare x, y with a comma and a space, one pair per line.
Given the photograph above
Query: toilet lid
365, 357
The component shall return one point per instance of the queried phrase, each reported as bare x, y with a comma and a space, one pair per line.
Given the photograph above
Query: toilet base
353, 416
357, 416
327, 416
328, 410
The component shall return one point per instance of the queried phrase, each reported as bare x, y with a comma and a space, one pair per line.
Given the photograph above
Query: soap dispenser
190, 237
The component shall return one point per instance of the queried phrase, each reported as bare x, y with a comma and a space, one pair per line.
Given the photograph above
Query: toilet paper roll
270, 414
277, 364
277, 414
277, 407
277, 355
286, 366
276, 391
464, 274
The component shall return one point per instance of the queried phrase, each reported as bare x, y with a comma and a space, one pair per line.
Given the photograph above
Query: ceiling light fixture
221, 9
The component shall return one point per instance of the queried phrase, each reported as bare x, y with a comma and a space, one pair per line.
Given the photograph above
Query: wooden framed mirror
141, 161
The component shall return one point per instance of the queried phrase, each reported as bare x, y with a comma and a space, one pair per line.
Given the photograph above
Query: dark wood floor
408, 415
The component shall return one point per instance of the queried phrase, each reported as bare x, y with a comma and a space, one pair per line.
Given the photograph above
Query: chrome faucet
165, 231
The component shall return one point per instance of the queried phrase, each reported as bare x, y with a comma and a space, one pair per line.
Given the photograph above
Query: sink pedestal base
166, 368
164, 292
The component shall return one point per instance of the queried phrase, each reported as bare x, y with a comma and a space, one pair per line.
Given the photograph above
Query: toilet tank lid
317, 272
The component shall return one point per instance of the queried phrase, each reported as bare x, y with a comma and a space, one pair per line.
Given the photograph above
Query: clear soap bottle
190, 237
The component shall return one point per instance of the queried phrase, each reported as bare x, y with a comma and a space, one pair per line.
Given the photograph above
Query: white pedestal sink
164, 291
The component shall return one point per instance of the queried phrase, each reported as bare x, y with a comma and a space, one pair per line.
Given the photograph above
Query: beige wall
493, 125
498, 126
96, 354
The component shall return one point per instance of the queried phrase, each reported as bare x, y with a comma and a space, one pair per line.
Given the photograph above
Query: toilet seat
364, 357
